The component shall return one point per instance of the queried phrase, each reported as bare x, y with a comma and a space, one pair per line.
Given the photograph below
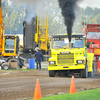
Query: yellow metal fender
90, 57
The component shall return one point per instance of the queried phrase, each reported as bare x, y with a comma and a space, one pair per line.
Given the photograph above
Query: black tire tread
83, 72
5, 64
51, 73
90, 73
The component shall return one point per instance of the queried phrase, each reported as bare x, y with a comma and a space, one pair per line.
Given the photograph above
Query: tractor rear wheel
91, 74
5, 66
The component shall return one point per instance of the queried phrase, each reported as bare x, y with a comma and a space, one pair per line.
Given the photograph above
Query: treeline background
14, 16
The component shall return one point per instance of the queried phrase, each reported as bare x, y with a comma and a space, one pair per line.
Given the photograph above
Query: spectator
39, 57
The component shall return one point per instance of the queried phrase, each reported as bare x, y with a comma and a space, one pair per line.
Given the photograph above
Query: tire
5, 66
15, 60
59, 73
91, 74
51, 73
84, 72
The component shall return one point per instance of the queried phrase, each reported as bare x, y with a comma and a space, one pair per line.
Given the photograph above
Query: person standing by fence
39, 57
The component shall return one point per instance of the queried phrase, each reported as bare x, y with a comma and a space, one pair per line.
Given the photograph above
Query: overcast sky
90, 3
84, 3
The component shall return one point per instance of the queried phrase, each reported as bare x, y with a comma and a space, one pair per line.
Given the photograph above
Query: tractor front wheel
51, 73
84, 72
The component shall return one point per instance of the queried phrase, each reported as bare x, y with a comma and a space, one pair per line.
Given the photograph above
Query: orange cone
72, 86
37, 93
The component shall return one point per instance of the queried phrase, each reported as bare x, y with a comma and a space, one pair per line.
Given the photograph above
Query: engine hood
73, 50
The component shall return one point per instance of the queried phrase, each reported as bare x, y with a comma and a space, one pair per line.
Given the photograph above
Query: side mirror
24, 24
88, 45
48, 46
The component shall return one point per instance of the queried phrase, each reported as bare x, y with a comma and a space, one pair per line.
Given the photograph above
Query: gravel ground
20, 85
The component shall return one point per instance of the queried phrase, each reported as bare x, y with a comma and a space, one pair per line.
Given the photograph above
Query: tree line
14, 16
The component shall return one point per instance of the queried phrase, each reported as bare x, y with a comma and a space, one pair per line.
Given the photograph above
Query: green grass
23, 69
19, 70
83, 95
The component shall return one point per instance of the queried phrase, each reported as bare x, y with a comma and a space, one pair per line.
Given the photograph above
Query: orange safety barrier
98, 67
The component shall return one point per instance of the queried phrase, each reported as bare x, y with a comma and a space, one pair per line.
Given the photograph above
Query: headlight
52, 62
16, 56
80, 61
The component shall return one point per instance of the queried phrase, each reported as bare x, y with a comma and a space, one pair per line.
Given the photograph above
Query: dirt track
20, 85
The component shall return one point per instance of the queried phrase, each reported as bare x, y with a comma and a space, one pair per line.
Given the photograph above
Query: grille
65, 58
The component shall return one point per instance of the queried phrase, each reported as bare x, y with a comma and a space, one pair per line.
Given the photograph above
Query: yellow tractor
9, 46
73, 59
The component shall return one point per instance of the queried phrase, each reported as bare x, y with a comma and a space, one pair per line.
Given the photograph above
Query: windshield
93, 35
9, 45
64, 42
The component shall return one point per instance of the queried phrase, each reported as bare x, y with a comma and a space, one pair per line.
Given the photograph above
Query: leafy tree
13, 18
15, 14
97, 18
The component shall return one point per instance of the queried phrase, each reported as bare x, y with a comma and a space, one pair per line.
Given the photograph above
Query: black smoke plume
68, 8
31, 12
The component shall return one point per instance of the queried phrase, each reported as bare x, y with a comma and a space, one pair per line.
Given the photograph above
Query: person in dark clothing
39, 57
